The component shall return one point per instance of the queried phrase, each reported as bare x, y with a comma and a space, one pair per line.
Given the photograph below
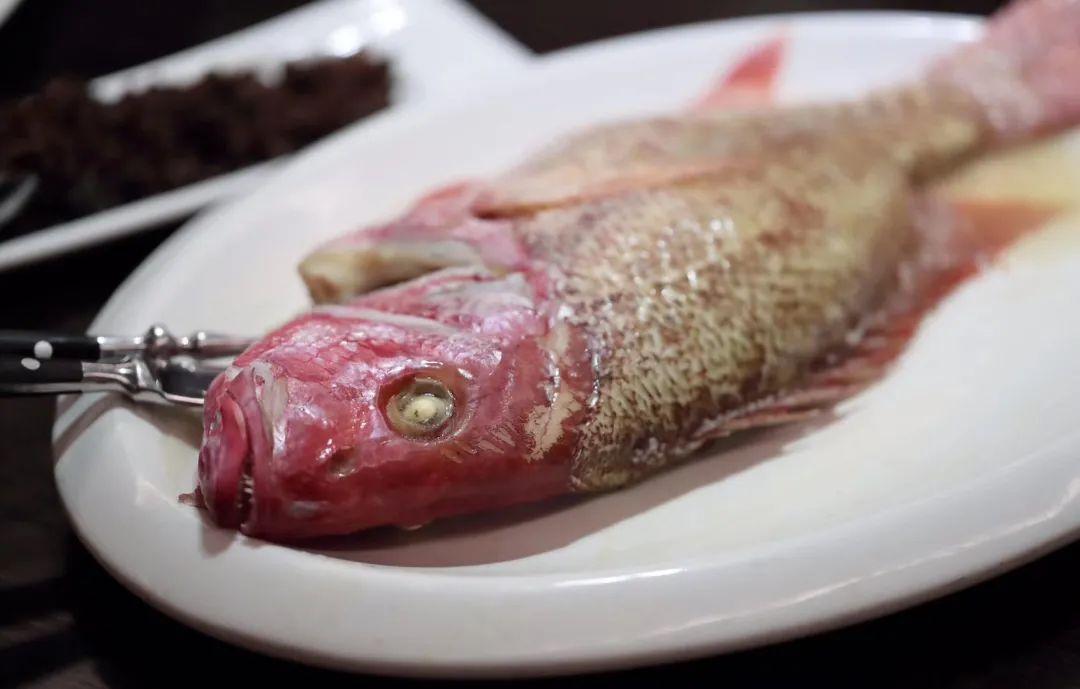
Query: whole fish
623, 297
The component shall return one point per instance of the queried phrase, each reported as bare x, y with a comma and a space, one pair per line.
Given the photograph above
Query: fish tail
1024, 72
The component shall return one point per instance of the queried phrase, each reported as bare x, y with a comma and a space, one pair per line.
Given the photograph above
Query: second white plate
439, 49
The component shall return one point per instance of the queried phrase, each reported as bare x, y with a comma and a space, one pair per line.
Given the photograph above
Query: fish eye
421, 408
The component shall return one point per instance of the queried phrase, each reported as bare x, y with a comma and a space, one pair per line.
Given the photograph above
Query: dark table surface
65, 623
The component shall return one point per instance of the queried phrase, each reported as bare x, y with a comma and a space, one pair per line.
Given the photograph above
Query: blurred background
49, 37
65, 623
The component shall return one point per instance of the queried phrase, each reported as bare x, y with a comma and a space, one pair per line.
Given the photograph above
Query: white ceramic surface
962, 463
440, 49
7, 7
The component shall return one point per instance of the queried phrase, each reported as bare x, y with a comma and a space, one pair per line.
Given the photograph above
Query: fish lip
228, 488
245, 493
245, 478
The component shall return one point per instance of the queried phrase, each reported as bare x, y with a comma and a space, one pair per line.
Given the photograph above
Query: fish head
356, 416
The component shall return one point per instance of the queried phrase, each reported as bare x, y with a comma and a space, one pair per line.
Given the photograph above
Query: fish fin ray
751, 83
825, 387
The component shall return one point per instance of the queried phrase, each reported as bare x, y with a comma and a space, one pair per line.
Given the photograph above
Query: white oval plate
439, 49
961, 464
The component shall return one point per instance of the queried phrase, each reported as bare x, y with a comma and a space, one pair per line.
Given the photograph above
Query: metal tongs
154, 367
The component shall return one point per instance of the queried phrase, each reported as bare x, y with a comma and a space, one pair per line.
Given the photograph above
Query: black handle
46, 346
23, 375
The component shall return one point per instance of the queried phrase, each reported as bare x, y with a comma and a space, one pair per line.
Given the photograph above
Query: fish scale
752, 325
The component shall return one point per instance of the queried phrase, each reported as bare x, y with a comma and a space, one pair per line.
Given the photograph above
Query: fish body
604, 309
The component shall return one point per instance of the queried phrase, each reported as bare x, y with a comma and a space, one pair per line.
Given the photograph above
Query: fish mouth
246, 493
244, 474
227, 465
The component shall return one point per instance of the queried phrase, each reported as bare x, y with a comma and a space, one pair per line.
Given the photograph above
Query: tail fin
1025, 72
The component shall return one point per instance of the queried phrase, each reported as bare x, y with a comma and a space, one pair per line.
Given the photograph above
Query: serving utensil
153, 367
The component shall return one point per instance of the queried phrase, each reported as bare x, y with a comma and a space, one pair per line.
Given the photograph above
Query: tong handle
30, 376
47, 346
157, 343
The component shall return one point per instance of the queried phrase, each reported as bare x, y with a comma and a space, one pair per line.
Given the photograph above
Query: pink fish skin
303, 414
601, 311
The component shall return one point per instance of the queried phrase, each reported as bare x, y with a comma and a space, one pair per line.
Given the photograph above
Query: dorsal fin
751, 83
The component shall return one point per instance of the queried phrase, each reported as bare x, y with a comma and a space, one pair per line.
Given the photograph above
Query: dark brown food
90, 156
